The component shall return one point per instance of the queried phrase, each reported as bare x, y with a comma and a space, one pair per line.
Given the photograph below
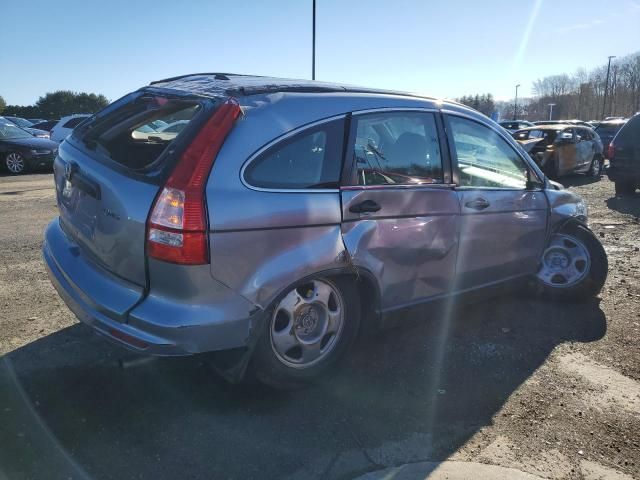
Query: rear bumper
149, 324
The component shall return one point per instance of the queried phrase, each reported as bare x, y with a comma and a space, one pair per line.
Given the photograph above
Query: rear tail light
611, 151
177, 226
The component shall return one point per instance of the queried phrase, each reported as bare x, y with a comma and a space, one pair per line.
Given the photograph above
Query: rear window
74, 122
135, 131
631, 131
608, 128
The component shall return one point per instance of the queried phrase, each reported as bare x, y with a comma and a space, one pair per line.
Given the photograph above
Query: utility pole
551, 105
606, 84
515, 104
313, 46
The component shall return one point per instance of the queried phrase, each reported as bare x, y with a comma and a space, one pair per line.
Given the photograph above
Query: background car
624, 157
28, 126
20, 151
36, 120
66, 125
514, 125
45, 125
607, 130
563, 149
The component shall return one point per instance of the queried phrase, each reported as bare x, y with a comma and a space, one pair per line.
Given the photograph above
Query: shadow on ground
414, 393
578, 180
628, 204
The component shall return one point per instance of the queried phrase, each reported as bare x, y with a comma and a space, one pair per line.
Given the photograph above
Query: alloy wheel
565, 262
307, 324
15, 162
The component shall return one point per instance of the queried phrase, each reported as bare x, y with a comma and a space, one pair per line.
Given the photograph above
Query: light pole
551, 105
313, 44
606, 85
515, 104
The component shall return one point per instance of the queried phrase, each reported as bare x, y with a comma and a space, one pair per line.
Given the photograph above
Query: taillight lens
177, 226
611, 151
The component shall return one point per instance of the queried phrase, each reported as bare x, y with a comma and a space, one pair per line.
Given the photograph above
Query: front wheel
308, 330
573, 266
15, 163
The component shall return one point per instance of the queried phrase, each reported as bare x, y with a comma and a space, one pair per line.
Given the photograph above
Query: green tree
65, 102
3, 104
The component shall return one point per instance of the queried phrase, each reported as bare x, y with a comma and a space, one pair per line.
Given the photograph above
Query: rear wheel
573, 266
308, 330
15, 163
625, 188
596, 167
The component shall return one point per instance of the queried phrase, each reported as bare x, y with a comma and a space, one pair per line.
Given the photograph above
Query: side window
309, 159
397, 148
74, 122
485, 159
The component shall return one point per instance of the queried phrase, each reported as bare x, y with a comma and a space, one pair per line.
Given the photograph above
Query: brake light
611, 151
177, 226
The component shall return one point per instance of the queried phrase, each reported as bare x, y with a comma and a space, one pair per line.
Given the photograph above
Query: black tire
595, 169
592, 282
625, 188
15, 163
267, 368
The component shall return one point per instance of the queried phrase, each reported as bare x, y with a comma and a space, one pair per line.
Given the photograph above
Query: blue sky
444, 48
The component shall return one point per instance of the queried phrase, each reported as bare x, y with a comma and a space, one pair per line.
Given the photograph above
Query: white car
66, 125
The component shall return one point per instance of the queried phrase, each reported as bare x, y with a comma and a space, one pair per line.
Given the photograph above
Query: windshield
21, 122
9, 131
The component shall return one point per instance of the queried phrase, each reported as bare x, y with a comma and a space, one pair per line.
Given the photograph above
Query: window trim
533, 169
349, 180
291, 133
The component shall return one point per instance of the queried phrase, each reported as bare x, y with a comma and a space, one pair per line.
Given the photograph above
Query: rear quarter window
310, 159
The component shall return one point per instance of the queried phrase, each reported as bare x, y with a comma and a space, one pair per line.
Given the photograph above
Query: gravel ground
548, 389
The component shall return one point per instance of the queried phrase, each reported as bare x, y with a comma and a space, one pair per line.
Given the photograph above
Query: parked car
288, 213
45, 125
27, 126
36, 120
563, 149
514, 125
66, 125
563, 122
174, 127
624, 157
20, 151
606, 130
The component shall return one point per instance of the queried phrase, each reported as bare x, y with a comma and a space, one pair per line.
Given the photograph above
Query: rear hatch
109, 171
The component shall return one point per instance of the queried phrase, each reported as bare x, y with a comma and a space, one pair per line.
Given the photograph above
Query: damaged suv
288, 214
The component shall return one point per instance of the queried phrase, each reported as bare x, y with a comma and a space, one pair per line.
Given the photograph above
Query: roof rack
247, 85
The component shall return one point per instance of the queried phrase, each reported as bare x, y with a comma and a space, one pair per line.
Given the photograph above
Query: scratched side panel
410, 245
260, 262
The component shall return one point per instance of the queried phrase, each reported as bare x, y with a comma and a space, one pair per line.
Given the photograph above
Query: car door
566, 147
584, 149
502, 223
400, 212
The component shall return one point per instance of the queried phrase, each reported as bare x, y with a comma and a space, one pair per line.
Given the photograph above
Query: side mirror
532, 183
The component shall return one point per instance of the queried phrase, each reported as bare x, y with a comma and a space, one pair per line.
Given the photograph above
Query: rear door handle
478, 204
367, 206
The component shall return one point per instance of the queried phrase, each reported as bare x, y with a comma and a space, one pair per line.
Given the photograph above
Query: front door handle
368, 206
478, 204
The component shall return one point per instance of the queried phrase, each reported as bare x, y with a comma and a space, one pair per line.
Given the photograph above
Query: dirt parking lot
548, 389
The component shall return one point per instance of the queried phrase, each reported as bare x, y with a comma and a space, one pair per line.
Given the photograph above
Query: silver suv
285, 215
